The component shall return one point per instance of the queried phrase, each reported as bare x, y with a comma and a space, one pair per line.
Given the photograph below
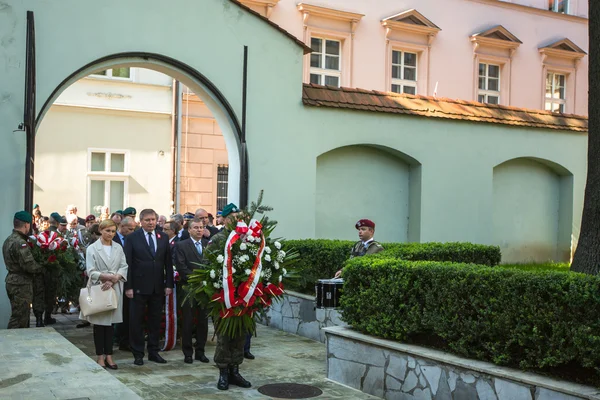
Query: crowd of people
136, 256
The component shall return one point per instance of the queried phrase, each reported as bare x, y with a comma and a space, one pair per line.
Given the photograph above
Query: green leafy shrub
322, 258
528, 319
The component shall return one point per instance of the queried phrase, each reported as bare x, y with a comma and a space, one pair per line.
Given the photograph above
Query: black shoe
202, 358
223, 383
157, 358
249, 355
138, 361
188, 360
39, 322
113, 367
83, 324
236, 379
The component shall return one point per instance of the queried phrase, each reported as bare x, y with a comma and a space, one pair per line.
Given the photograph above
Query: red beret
365, 222
90, 217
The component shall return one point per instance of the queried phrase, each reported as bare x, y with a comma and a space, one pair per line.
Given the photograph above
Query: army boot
236, 379
39, 321
223, 383
48, 320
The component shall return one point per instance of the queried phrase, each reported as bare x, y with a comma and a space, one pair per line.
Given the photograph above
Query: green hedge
321, 258
533, 320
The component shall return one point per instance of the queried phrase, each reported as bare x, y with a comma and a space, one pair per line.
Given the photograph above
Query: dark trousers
137, 307
122, 329
188, 313
103, 339
248, 342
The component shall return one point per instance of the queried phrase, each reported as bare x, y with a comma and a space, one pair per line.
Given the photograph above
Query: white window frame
109, 76
404, 82
555, 4
553, 100
486, 92
324, 72
108, 176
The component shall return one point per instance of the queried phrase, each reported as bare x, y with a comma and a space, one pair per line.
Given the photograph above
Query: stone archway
199, 84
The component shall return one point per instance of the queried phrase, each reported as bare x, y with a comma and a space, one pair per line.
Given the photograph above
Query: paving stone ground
280, 358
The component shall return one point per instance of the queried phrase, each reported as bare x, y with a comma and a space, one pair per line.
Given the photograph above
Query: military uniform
229, 353
21, 267
361, 249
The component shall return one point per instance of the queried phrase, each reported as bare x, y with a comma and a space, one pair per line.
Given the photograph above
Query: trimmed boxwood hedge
545, 320
321, 258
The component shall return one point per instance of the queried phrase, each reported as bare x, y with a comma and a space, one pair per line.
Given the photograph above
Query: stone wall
297, 314
394, 370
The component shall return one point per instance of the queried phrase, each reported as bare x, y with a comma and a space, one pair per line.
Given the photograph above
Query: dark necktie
151, 244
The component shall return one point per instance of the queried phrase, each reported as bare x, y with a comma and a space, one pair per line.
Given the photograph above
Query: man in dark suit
149, 280
126, 227
188, 256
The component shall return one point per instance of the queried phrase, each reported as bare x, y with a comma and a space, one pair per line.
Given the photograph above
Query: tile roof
436, 107
274, 25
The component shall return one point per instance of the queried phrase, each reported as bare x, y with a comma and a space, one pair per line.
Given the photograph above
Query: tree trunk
587, 255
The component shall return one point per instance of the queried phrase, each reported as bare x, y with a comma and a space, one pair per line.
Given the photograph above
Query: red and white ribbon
170, 320
228, 288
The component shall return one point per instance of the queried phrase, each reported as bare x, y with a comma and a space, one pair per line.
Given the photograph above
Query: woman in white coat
106, 266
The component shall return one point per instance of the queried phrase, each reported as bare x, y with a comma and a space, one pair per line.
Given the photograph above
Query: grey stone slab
373, 381
422, 394
410, 382
422, 381
397, 366
485, 390
392, 383
412, 363
443, 392
310, 330
452, 379
290, 325
467, 378
511, 391
346, 372
356, 352
546, 394
464, 391
432, 374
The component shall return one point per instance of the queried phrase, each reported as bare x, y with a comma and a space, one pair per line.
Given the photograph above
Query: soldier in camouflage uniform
229, 353
21, 267
366, 244
45, 285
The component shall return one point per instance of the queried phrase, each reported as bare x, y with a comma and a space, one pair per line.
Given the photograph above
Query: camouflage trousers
20, 297
45, 286
229, 351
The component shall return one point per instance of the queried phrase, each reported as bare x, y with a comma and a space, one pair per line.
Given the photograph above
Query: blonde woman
106, 266
104, 214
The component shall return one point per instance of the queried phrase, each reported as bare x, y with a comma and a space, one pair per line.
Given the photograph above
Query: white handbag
94, 300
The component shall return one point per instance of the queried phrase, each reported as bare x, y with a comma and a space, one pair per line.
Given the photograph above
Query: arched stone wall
363, 181
532, 210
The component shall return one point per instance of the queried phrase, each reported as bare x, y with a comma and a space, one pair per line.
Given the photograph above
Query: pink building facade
523, 53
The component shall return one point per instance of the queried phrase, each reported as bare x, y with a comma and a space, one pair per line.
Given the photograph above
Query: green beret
229, 209
23, 216
62, 220
56, 216
35, 205
119, 212
129, 211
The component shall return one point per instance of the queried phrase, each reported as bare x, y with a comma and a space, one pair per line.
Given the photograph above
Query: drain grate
290, 391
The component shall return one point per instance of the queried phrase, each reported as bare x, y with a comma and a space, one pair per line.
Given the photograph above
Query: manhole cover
290, 391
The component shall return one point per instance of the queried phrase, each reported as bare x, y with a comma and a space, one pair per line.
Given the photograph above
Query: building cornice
330, 13
534, 10
268, 4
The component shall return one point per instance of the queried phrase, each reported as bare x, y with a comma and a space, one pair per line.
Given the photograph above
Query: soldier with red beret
366, 244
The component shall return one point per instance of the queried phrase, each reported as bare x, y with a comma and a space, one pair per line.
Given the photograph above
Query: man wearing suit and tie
149, 280
188, 256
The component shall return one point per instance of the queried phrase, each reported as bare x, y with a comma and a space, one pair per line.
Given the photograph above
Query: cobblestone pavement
280, 358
